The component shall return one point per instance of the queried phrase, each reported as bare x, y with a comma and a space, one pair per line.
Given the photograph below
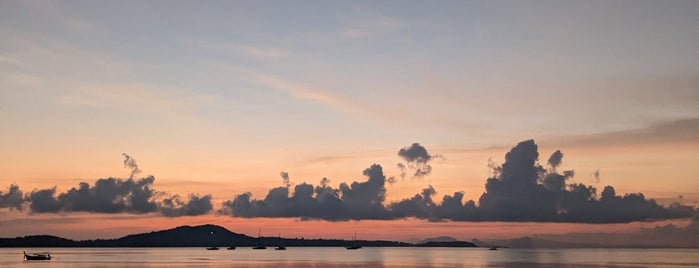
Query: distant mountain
438, 239
447, 244
524, 242
479, 243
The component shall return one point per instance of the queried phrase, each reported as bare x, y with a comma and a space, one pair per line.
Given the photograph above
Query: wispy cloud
259, 52
671, 131
120, 95
371, 26
50, 9
252, 51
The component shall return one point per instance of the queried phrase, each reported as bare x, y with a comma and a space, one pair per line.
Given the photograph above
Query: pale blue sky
247, 77
218, 97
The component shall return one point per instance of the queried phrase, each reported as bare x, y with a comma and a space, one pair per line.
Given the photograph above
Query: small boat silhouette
259, 244
43, 256
354, 243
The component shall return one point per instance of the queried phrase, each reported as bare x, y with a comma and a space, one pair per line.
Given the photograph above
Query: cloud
371, 25
355, 201
555, 159
285, 178
416, 158
673, 131
595, 176
175, 207
259, 52
111, 195
116, 195
519, 190
131, 164
42, 201
12, 199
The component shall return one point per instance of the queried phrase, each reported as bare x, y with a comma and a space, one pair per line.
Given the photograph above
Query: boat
281, 245
213, 241
354, 245
43, 256
492, 244
231, 248
259, 244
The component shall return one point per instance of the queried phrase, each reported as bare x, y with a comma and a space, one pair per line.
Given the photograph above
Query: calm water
365, 257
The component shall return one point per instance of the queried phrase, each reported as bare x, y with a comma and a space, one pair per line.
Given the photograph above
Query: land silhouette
206, 236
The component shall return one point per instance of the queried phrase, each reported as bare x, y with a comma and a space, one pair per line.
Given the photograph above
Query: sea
341, 257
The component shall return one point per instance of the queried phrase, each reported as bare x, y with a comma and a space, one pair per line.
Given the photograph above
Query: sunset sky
217, 99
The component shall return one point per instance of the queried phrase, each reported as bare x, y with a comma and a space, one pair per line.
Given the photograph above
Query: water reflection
365, 257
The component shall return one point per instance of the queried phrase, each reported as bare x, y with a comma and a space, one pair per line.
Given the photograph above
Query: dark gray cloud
595, 176
285, 178
520, 189
42, 201
355, 201
111, 195
419, 206
174, 206
524, 191
555, 159
116, 195
416, 159
130, 163
13, 198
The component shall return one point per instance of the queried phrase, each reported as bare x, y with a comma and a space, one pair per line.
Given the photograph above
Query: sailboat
492, 244
259, 244
212, 241
354, 242
281, 245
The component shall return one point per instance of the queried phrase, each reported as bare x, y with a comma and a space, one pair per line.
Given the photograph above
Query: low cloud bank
110, 195
519, 190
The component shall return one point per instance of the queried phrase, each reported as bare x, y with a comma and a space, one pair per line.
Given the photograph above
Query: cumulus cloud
519, 189
12, 199
44, 201
355, 201
417, 159
524, 191
111, 195
176, 207
116, 195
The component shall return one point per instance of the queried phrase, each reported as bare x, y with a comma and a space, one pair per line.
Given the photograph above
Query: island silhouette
207, 236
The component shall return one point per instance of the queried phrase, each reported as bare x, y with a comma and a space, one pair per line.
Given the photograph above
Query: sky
461, 118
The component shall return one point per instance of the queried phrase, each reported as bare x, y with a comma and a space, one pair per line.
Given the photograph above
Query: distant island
207, 236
